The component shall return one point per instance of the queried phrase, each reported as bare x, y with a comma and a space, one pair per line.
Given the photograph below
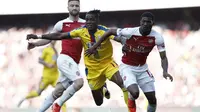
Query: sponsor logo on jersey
68, 25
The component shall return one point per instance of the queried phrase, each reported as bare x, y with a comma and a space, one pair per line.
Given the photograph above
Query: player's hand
31, 36
90, 51
31, 46
51, 65
167, 75
125, 49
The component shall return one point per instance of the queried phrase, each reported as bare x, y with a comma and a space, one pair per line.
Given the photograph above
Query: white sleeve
57, 27
125, 32
160, 43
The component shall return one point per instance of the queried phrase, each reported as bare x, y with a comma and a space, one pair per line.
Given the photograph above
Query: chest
90, 39
68, 26
142, 41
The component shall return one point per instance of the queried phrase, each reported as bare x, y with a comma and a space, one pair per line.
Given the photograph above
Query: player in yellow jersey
100, 66
50, 72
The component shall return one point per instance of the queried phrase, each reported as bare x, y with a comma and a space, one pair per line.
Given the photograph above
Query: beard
74, 13
145, 31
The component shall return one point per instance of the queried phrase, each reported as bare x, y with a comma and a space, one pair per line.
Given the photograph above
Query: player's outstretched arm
106, 35
164, 63
32, 45
50, 36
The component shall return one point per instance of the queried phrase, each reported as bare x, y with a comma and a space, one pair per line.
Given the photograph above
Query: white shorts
68, 69
143, 79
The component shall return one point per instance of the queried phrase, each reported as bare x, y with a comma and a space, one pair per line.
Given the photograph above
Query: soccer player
68, 59
134, 70
101, 66
50, 72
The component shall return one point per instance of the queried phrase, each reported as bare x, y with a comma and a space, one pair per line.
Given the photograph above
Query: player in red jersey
134, 70
67, 61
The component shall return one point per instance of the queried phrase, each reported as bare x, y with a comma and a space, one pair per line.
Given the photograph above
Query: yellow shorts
106, 73
45, 82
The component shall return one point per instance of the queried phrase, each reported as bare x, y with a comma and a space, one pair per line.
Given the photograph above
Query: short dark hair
149, 15
95, 12
73, 0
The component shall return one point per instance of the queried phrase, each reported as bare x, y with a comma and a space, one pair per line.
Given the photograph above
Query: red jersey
138, 46
71, 47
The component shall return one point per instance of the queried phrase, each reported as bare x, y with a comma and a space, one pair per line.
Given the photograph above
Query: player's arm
32, 45
41, 60
49, 65
57, 28
56, 36
120, 39
164, 60
50, 36
105, 36
117, 32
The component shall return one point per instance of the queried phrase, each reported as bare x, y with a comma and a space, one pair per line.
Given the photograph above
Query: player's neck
92, 31
74, 18
143, 33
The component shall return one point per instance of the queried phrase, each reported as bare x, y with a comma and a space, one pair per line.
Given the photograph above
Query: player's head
92, 19
74, 7
146, 23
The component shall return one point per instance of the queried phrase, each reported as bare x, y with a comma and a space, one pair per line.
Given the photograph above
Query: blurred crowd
20, 71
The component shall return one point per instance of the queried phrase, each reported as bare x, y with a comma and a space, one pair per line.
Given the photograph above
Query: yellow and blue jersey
104, 52
49, 56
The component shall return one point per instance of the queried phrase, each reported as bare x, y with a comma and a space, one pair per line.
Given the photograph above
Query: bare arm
49, 65
164, 61
120, 39
50, 36
41, 42
56, 36
105, 36
56, 52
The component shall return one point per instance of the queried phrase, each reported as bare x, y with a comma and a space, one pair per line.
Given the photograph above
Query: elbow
112, 32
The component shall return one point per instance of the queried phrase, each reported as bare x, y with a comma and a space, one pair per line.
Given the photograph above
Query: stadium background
20, 71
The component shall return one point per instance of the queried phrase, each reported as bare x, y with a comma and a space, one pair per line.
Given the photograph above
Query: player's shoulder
63, 21
102, 27
80, 29
81, 20
45, 49
155, 33
48, 48
131, 30
67, 20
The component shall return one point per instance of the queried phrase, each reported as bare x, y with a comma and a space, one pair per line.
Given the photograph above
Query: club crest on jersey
150, 41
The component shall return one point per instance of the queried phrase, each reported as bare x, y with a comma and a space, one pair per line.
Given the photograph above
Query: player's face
74, 8
91, 22
146, 24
